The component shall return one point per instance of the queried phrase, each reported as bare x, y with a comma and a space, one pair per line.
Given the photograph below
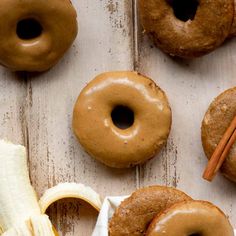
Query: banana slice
70, 190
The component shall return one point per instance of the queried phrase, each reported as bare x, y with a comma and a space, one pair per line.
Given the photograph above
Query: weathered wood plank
105, 42
12, 110
190, 85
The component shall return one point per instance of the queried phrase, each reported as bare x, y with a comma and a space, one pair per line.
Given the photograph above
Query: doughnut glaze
216, 120
135, 213
105, 141
190, 38
190, 218
56, 26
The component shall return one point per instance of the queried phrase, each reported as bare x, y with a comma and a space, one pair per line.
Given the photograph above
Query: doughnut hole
196, 234
184, 10
28, 29
122, 117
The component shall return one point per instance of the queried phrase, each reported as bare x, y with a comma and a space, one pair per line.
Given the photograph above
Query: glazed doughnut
191, 218
35, 34
187, 28
217, 119
135, 213
122, 119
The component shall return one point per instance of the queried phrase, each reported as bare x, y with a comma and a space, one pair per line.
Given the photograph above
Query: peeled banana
21, 214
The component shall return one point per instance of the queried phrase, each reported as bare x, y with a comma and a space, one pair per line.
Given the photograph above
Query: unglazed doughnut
233, 27
135, 213
217, 119
115, 96
191, 218
34, 35
187, 34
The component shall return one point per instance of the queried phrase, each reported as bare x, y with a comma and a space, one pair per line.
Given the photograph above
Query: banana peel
21, 214
69, 190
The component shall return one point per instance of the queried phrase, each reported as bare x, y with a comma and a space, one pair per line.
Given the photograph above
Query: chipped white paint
36, 110
12, 110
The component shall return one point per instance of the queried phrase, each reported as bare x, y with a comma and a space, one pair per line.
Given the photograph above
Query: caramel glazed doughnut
191, 218
34, 35
122, 119
216, 120
157, 211
187, 28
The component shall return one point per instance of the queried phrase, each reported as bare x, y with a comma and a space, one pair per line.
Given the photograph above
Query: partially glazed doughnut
216, 120
34, 35
109, 100
189, 34
191, 218
135, 213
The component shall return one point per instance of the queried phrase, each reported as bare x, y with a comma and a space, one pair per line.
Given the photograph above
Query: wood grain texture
12, 106
104, 42
36, 110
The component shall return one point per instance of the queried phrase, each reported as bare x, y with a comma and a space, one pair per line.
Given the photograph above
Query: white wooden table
36, 110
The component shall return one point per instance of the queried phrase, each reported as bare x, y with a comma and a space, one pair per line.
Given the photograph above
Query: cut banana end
70, 190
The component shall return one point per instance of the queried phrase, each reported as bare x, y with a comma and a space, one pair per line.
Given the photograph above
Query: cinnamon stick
225, 153
221, 152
